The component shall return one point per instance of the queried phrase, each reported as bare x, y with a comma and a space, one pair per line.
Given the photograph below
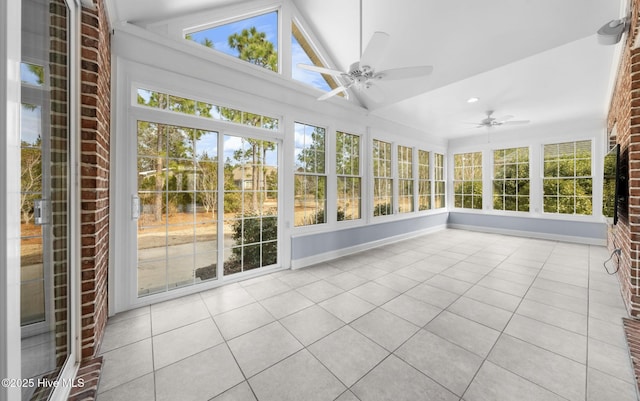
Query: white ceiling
537, 60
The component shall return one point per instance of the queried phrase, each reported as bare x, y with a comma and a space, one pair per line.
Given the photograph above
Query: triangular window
302, 52
253, 39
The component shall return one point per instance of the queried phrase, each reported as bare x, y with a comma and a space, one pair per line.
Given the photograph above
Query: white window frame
123, 289
493, 179
434, 180
10, 101
329, 171
482, 180
392, 176
596, 185
360, 175
412, 165
227, 15
429, 180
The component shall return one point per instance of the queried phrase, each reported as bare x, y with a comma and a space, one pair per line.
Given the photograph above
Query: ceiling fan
491, 121
362, 74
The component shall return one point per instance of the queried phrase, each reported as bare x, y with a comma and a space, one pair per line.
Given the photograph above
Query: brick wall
624, 115
95, 143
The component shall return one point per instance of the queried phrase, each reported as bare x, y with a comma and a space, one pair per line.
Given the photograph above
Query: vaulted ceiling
536, 60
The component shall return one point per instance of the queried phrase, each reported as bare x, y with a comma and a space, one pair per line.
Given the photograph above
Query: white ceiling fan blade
333, 93
321, 70
516, 122
376, 49
373, 92
404, 73
504, 118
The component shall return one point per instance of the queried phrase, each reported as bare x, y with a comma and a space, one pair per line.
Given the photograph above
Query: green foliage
252, 46
341, 215
30, 178
347, 154
206, 42
38, 71
232, 199
256, 242
320, 218
382, 209
311, 158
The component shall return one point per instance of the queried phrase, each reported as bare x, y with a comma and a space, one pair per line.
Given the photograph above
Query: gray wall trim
314, 248
585, 232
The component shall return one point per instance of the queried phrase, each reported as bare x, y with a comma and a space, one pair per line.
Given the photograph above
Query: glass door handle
135, 207
41, 212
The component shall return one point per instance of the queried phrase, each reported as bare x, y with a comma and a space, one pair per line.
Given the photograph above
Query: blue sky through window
267, 23
298, 55
28, 74
219, 35
30, 124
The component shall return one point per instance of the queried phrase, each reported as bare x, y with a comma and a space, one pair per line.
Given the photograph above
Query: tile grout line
230, 352
586, 363
387, 273
502, 333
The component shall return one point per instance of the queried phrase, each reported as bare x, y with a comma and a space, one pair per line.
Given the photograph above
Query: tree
256, 153
310, 178
161, 145
567, 182
206, 42
30, 178
252, 46
348, 171
207, 182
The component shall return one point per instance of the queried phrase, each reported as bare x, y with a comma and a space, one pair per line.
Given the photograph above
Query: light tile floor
454, 315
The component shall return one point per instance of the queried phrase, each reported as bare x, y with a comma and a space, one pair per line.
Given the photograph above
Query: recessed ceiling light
472, 99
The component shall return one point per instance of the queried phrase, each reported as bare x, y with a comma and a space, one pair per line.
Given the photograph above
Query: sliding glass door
44, 194
206, 205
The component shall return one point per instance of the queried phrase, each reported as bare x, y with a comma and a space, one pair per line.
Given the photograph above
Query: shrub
382, 209
256, 243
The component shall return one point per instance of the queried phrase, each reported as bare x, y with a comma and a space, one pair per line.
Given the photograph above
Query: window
467, 180
424, 183
250, 203
34, 182
567, 178
405, 179
253, 39
511, 179
176, 104
302, 52
438, 178
181, 239
310, 176
382, 179
177, 188
348, 172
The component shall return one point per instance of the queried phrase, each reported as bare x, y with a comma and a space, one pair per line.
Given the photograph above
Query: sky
30, 124
219, 35
28, 77
30, 117
267, 23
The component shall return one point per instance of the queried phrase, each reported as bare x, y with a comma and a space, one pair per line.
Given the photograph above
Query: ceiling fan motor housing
360, 73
